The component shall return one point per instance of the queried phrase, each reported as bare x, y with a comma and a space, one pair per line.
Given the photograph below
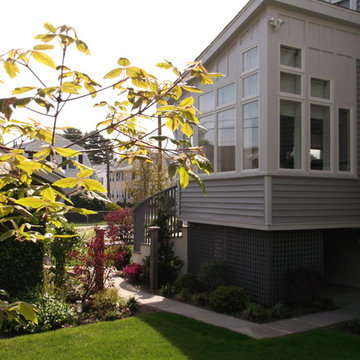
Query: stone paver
253, 330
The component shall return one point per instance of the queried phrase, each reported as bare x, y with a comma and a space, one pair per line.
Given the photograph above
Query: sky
144, 31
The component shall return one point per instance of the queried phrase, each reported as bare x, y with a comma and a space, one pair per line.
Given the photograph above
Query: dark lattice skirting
257, 260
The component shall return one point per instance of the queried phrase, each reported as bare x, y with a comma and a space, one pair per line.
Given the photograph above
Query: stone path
253, 330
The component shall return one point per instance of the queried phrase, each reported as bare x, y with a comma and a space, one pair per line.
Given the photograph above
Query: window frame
292, 68
320, 99
352, 137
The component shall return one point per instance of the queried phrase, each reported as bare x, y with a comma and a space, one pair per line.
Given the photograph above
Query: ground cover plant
170, 336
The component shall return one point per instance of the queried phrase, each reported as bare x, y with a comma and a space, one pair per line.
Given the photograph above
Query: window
290, 83
250, 135
320, 137
226, 140
290, 56
290, 134
344, 140
320, 88
251, 59
81, 158
207, 138
207, 102
226, 95
251, 85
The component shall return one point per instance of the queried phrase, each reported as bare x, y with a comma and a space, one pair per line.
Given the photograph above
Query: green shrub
60, 247
132, 304
278, 311
110, 206
53, 313
254, 311
202, 299
304, 285
213, 273
21, 266
188, 282
89, 200
228, 299
168, 290
106, 304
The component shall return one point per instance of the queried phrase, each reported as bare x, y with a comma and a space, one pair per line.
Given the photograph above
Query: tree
73, 134
100, 148
24, 203
146, 180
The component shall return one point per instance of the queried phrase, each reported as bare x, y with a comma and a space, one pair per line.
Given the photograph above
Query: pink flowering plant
134, 272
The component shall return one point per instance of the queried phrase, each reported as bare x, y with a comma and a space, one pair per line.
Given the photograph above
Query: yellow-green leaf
29, 166
67, 152
191, 89
114, 73
31, 201
20, 90
81, 46
70, 87
123, 62
184, 177
43, 59
187, 101
43, 47
48, 193
92, 185
85, 173
83, 211
163, 65
187, 129
45, 37
43, 153
11, 68
66, 183
49, 27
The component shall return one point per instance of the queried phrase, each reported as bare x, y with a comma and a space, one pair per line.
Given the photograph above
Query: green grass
170, 336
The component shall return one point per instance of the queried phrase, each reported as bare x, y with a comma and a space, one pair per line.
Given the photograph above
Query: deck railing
146, 212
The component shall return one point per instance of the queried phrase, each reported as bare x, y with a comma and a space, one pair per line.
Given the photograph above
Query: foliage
73, 135
59, 248
132, 304
213, 273
278, 311
93, 265
304, 285
169, 265
146, 179
102, 146
120, 225
254, 311
106, 303
22, 184
110, 206
53, 313
121, 256
89, 200
188, 282
202, 299
18, 311
21, 266
134, 272
168, 290
228, 299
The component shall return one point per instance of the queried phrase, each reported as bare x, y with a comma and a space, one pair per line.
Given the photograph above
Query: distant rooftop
349, 4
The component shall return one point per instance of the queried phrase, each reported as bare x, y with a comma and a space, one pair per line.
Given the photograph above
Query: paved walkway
349, 310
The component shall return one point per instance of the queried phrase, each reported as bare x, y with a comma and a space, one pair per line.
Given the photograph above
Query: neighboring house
70, 170
284, 138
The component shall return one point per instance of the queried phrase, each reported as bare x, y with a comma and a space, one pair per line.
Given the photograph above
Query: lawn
170, 336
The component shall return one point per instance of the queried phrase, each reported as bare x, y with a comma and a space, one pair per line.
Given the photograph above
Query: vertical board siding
315, 201
232, 201
358, 114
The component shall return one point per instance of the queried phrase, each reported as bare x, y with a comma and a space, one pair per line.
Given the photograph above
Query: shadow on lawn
198, 341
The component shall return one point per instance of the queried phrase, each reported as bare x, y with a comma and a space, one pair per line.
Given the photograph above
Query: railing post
154, 235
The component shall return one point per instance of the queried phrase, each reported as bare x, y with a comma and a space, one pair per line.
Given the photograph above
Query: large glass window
320, 137
226, 95
207, 138
207, 101
251, 59
290, 83
344, 140
226, 140
290, 134
251, 135
320, 88
290, 56
251, 85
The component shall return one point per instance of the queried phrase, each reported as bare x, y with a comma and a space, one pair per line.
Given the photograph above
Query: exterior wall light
275, 22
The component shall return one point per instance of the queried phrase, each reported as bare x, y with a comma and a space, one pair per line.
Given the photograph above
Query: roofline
319, 8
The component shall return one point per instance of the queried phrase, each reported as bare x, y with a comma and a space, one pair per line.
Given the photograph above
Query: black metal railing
146, 212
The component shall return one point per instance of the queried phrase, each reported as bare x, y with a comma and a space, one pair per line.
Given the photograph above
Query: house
70, 170
284, 139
